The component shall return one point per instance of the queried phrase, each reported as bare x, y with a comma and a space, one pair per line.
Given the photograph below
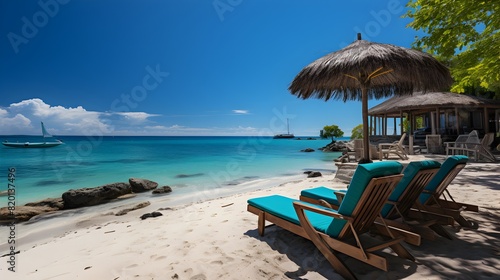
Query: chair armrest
340, 196
385, 145
299, 206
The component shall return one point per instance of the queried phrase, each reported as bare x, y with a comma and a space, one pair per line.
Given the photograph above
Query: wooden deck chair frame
398, 218
366, 211
441, 202
481, 150
396, 148
402, 209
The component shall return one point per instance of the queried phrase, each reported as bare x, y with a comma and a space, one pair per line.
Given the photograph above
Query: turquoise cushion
408, 174
362, 176
282, 207
446, 167
324, 193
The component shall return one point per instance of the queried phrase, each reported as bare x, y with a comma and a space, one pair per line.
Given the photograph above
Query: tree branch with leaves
466, 34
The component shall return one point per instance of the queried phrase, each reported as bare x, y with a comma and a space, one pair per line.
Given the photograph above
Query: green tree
332, 131
465, 34
357, 132
419, 123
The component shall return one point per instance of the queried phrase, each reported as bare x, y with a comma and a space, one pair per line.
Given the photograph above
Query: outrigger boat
44, 144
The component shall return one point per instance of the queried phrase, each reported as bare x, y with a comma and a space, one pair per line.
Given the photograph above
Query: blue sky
191, 67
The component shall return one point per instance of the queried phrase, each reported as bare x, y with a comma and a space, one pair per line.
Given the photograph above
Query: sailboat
44, 144
285, 135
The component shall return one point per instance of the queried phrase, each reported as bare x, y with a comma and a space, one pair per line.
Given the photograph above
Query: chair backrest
366, 191
472, 139
416, 176
448, 171
400, 142
461, 139
487, 140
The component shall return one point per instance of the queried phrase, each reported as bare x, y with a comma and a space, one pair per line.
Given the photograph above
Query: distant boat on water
285, 135
44, 144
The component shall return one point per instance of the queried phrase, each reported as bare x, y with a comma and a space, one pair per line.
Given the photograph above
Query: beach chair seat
396, 148
397, 212
338, 231
436, 198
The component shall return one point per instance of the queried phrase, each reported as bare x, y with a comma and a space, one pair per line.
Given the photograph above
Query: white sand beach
218, 239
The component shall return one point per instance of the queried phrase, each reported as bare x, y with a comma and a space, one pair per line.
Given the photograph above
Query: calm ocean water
187, 164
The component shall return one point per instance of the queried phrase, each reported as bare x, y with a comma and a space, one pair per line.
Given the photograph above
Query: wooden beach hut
442, 113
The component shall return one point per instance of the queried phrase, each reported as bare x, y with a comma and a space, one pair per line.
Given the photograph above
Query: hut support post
486, 124
395, 132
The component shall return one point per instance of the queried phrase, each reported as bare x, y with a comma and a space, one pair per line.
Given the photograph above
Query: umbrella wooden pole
366, 135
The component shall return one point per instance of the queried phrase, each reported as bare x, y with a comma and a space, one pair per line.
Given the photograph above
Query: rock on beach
93, 196
142, 185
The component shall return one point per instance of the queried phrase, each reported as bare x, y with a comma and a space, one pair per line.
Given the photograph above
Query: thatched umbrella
366, 70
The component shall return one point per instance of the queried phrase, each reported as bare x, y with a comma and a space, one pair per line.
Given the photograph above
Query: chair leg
335, 262
465, 223
439, 229
401, 251
261, 222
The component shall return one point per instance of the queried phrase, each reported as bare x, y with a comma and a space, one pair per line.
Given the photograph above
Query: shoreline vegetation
210, 235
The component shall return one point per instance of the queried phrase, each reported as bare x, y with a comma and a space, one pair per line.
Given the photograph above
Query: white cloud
136, 116
241, 112
24, 118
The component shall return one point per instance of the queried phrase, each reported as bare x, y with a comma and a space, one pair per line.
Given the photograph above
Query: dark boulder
337, 146
142, 185
314, 174
151, 215
93, 196
308, 150
163, 190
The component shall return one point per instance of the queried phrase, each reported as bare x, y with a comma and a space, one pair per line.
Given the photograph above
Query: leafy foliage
332, 131
419, 123
465, 33
357, 132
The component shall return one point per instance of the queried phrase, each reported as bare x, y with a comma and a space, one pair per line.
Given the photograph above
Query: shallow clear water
187, 164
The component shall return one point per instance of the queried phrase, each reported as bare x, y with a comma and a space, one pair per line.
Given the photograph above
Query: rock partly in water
57, 203
308, 150
337, 146
93, 196
24, 213
142, 185
163, 190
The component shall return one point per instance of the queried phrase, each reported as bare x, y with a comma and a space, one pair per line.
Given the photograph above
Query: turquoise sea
187, 164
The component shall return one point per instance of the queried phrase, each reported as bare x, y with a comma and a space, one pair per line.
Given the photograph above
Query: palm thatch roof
429, 102
388, 70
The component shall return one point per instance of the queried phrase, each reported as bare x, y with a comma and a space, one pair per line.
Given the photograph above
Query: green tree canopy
465, 33
332, 131
357, 132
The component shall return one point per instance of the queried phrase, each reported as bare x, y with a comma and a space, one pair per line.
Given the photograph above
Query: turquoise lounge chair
335, 231
437, 199
397, 211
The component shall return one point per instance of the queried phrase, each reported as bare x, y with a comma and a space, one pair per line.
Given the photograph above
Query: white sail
44, 132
